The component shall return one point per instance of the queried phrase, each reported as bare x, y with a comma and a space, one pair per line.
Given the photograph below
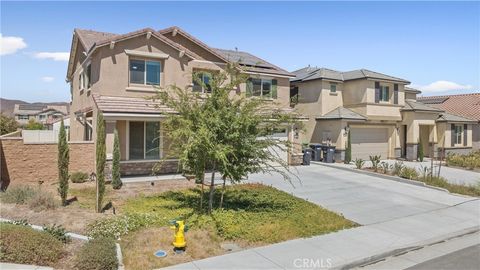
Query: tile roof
110, 104
418, 106
448, 117
466, 105
341, 113
91, 39
313, 73
34, 109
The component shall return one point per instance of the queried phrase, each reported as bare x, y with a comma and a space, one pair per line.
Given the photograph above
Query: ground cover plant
97, 254
470, 161
24, 245
35, 197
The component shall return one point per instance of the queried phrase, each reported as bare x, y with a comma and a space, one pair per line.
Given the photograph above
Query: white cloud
56, 56
47, 79
10, 45
442, 86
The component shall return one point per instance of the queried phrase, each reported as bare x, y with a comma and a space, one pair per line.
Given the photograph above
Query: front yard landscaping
470, 161
252, 215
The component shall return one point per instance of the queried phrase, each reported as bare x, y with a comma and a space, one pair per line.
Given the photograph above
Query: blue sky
435, 45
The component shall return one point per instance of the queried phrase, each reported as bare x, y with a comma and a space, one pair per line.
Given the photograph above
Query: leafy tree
116, 181
420, 153
34, 125
100, 161
63, 161
7, 124
348, 151
219, 132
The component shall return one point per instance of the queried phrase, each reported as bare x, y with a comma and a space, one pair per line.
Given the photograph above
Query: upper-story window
145, 72
84, 81
384, 93
333, 87
201, 82
22, 117
265, 88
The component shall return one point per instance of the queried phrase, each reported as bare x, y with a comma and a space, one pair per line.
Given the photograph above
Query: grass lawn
252, 215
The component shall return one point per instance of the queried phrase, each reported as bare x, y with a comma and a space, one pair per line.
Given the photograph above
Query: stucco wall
476, 136
30, 163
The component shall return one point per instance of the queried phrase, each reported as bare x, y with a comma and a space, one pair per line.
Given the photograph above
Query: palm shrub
385, 167
359, 163
101, 159
420, 153
375, 162
348, 151
397, 167
116, 181
63, 161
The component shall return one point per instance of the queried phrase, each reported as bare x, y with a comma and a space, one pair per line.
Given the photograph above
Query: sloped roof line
346, 75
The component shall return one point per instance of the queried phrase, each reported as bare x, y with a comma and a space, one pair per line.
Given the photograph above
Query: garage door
368, 142
276, 151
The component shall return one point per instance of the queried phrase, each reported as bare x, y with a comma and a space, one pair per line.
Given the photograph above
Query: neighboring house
45, 114
466, 105
113, 73
378, 110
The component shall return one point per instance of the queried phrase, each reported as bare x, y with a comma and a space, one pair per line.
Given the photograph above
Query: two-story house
379, 111
45, 114
113, 73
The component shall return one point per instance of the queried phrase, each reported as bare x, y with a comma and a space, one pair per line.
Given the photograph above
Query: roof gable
314, 73
466, 105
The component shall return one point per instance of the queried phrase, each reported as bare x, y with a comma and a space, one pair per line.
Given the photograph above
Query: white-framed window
384, 93
88, 76
80, 81
23, 117
42, 116
333, 87
458, 134
144, 140
144, 72
201, 82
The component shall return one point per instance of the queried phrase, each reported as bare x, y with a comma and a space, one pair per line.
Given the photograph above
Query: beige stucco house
380, 112
45, 114
113, 73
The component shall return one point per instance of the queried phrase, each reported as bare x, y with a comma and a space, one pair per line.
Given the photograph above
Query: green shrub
359, 163
375, 162
79, 177
24, 245
470, 161
420, 153
397, 167
57, 231
385, 167
117, 226
348, 150
409, 173
97, 254
116, 181
42, 200
18, 194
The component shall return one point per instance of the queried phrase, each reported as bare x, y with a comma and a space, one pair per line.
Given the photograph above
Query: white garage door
276, 151
368, 142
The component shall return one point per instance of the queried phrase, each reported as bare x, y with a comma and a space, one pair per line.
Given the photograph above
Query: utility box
307, 156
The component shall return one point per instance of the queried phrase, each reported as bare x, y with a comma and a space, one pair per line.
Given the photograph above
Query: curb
388, 177
379, 257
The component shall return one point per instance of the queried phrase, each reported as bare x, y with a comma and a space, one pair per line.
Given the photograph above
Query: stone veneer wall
30, 163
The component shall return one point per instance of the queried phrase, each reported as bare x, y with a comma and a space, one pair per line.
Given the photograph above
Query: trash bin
307, 156
316, 151
328, 154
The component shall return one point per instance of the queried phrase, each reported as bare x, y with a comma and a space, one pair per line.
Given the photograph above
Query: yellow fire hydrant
180, 229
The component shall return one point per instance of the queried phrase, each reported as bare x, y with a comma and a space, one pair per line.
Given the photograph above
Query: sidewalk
14, 266
452, 175
353, 247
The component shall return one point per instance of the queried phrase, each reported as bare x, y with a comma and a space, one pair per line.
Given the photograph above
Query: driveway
396, 217
362, 198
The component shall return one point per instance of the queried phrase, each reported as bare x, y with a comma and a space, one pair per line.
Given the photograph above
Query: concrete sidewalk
14, 266
353, 247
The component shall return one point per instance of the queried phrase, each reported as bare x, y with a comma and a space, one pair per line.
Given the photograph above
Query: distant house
466, 105
45, 114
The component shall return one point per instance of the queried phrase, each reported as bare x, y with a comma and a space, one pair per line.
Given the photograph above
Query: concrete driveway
362, 198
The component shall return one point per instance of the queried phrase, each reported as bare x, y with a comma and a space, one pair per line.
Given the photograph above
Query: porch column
397, 145
110, 126
413, 131
433, 141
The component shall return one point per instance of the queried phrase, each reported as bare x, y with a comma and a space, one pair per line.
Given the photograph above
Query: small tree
420, 153
348, 150
7, 124
34, 125
116, 181
100, 161
219, 133
63, 161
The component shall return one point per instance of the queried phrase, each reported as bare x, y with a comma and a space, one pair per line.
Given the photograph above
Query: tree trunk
223, 192
212, 189
201, 193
